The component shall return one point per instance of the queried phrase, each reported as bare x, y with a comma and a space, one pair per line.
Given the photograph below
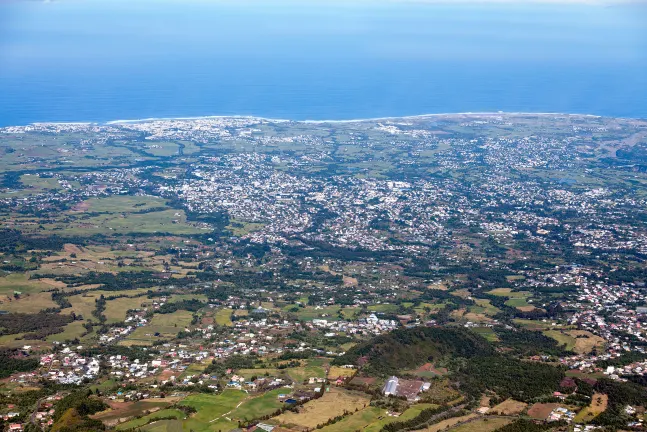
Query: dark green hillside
509, 377
476, 364
408, 348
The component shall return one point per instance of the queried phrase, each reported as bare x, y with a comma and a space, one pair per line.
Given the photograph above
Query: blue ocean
101, 60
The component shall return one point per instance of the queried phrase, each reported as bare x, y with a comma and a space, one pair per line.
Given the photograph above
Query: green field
517, 302
150, 417
488, 424
27, 303
259, 406
163, 426
71, 331
211, 410
309, 313
20, 282
223, 317
167, 325
562, 338
357, 421
299, 374
507, 292
486, 332
484, 306
124, 204
537, 325
410, 413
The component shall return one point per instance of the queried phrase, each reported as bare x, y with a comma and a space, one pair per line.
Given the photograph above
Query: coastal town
237, 273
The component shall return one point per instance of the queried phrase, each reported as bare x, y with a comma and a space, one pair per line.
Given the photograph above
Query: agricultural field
336, 371
486, 332
161, 414
310, 370
259, 406
485, 307
333, 403
223, 317
163, 426
11, 282
538, 325
28, 303
597, 406
562, 338
161, 327
248, 373
428, 370
516, 299
580, 341
509, 407
408, 414
487, 424
212, 410
540, 411
309, 313
123, 411
451, 422
357, 421
586, 342
71, 331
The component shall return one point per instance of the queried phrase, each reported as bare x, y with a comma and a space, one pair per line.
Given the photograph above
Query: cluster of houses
68, 367
370, 326
116, 333
561, 414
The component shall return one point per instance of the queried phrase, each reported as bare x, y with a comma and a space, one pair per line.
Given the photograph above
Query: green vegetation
406, 349
10, 363
159, 415
211, 409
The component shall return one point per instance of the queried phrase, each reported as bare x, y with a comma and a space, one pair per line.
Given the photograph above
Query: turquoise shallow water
100, 60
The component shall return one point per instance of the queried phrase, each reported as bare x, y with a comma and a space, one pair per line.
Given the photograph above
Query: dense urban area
475, 272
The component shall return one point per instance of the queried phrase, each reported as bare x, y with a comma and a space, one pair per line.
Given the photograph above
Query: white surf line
358, 120
307, 121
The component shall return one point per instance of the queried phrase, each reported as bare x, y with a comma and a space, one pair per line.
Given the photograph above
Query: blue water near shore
101, 60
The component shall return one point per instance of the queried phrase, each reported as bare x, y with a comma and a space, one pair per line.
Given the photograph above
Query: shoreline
310, 121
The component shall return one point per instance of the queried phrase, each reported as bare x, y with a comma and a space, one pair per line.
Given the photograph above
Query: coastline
311, 121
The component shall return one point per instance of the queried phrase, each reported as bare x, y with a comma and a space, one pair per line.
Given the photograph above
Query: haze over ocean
103, 60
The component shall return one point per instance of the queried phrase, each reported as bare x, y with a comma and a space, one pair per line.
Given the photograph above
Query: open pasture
122, 411
150, 417
332, 404
509, 407
361, 420
336, 371
27, 303
223, 317
598, 405
299, 374
161, 327
540, 411
259, 406
446, 424
486, 424
163, 426
21, 282
212, 410
384, 419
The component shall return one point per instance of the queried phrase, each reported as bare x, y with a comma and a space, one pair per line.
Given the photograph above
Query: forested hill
408, 348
